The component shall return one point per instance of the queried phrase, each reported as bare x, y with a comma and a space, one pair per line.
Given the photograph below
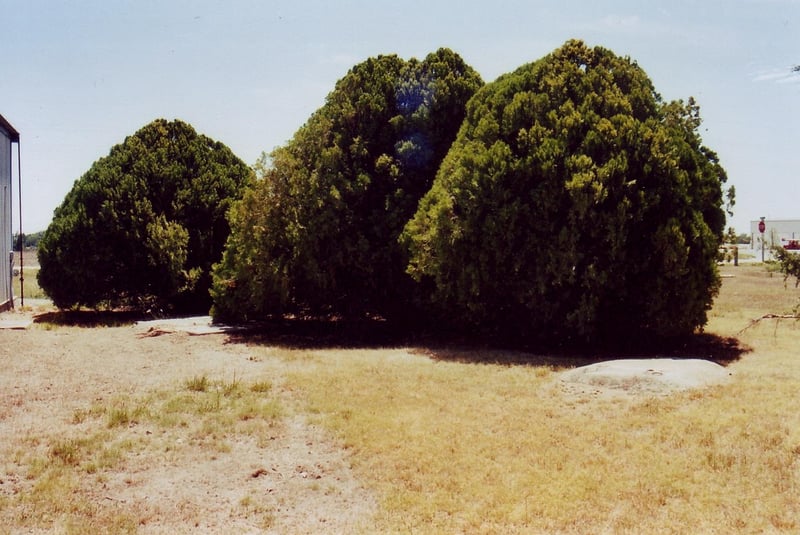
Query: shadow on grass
718, 349
435, 342
440, 344
90, 318
323, 333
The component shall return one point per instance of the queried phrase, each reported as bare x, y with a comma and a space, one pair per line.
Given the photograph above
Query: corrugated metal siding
5, 218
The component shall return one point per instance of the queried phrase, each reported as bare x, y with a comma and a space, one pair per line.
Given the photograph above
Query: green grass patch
31, 284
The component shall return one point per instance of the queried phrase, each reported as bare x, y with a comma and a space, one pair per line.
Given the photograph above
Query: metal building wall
5, 220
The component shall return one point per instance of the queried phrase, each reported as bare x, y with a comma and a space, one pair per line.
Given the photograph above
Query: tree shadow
90, 318
324, 333
718, 349
435, 342
447, 345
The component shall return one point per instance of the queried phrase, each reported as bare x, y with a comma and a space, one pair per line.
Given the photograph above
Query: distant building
777, 233
7, 136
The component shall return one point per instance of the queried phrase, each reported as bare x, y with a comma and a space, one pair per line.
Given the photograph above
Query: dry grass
748, 292
490, 443
482, 448
64, 473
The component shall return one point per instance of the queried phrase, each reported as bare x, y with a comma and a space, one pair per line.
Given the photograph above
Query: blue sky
76, 77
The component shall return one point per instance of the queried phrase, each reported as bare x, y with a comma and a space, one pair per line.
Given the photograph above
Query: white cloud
784, 75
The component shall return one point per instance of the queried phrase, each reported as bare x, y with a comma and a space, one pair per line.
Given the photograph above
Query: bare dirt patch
287, 477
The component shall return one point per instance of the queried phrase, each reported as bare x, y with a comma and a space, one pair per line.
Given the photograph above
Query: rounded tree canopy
319, 232
145, 224
574, 204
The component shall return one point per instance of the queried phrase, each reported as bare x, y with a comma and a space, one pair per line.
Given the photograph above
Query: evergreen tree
145, 224
318, 234
574, 204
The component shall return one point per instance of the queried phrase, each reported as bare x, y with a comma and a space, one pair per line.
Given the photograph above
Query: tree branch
756, 321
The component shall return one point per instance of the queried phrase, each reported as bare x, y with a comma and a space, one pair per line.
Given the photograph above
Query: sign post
761, 228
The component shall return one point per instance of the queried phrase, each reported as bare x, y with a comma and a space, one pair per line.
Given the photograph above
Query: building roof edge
12, 132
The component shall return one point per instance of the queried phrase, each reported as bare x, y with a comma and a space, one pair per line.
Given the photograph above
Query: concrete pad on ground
15, 322
654, 375
195, 325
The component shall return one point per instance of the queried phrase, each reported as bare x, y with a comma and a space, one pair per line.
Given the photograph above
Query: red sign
761, 227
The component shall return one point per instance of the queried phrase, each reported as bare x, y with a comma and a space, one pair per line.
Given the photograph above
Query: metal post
11, 278
21, 235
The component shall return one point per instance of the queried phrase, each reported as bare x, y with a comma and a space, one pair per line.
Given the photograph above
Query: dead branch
768, 317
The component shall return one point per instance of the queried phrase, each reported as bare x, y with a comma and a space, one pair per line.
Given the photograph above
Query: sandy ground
299, 479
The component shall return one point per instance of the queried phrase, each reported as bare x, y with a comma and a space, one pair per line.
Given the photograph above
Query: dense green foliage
145, 224
319, 232
574, 204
